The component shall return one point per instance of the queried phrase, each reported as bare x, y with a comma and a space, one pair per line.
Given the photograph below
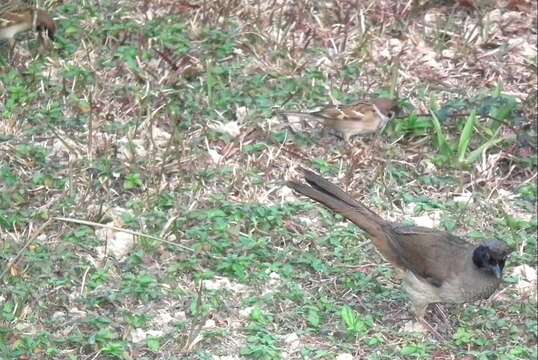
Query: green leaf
133, 181
375, 341
153, 344
411, 350
463, 336
313, 317
258, 316
355, 325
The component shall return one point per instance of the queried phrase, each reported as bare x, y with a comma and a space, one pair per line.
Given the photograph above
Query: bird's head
491, 256
387, 107
44, 23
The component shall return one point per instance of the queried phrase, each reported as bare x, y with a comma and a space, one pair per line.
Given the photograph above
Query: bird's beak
497, 271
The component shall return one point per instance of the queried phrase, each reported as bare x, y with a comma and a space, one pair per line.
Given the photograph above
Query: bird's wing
435, 256
12, 13
355, 112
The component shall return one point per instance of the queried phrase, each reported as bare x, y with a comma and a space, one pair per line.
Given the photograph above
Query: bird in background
17, 17
437, 267
361, 118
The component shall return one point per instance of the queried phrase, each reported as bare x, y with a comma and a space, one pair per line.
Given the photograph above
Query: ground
143, 206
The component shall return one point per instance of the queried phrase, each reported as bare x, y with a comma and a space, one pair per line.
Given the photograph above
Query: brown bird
361, 118
16, 18
437, 267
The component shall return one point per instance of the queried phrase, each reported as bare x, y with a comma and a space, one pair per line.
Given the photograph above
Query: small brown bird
361, 118
437, 267
16, 18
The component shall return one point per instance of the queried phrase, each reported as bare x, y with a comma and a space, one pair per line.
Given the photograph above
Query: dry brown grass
121, 97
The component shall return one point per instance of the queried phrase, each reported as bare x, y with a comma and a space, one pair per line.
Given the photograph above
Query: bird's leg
42, 39
347, 138
376, 141
342, 136
420, 310
417, 324
443, 315
11, 50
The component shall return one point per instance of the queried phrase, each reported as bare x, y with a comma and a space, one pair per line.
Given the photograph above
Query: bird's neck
40, 18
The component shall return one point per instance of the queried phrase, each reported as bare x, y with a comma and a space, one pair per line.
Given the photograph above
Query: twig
127, 231
434, 332
90, 128
193, 337
167, 58
84, 277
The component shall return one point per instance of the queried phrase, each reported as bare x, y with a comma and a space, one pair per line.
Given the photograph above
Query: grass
131, 122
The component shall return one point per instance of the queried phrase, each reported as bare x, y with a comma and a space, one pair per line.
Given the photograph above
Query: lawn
143, 206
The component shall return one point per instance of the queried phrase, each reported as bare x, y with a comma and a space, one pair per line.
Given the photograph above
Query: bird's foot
421, 326
415, 326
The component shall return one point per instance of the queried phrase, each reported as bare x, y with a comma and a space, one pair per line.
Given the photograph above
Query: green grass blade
475, 154
442, 143
465, 137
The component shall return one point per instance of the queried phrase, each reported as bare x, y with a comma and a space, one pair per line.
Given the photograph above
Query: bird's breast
10, 31
462, 288
468, 289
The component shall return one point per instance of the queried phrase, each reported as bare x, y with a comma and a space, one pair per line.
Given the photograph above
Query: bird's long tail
336, 199
294, 116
